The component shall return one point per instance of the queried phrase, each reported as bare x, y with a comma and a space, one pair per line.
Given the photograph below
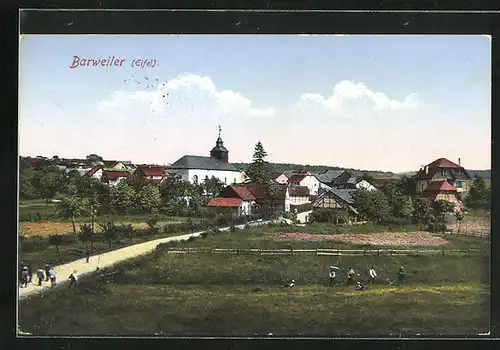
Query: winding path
107, 259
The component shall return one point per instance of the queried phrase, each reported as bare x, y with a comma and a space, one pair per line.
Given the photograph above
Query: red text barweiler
111, 62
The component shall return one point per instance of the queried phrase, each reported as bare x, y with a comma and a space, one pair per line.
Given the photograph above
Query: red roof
296, 178
94, 170
115, 174
438, 186
225, 202
443, 163
153, 171
243, 193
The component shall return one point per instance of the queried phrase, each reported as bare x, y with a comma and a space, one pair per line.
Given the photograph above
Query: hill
483, 174
288, 167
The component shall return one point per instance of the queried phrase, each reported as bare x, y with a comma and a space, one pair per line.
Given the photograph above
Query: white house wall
312, 183
304, 216
365, 185
297, 200
227, 177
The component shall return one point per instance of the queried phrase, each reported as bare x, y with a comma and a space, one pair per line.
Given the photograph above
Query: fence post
443, 252
378, 252
418, 253
391, 252
364, 252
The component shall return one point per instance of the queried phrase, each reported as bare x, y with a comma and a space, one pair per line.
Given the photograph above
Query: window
458, 184
225, 180
195, 179
443, 172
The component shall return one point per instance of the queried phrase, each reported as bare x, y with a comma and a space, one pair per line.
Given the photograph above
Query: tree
372, 205
49, 182
71, 207
479, 196
459, 216
149, 199
405, 209
273, 193
422, 211
122, 198
86, 235
108, 228
94, 158
258, 171
441, 208
212, 186
408, 186
56, 240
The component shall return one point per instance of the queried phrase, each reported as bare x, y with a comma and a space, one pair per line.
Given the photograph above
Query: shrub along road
106, 260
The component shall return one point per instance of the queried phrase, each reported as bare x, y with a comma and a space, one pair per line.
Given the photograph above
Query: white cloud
350, 98
186, 95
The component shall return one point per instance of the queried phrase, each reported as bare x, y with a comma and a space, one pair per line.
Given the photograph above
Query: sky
370, 102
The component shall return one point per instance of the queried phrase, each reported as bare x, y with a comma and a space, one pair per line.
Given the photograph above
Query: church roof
201, 162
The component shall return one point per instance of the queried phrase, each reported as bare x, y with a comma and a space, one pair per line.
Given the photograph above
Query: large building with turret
195, 169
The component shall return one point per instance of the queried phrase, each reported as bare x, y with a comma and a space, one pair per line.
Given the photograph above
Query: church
195, 169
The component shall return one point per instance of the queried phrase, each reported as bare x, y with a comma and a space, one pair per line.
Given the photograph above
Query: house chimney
458, 161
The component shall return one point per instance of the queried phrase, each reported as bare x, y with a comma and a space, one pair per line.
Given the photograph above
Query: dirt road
104, 260
107, 259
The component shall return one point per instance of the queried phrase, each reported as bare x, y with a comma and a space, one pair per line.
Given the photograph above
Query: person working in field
373, 275
350, 276
331, 276
359, 286
401, 275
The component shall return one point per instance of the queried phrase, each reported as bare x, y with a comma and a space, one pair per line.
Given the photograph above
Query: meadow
220, 294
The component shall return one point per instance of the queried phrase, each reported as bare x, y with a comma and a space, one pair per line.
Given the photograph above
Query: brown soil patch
381, 239
29, 229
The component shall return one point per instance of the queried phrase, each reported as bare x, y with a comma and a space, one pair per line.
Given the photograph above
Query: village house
443, 169
305, 179
280, 178
442, 190
257, 195
338, 200
95, 173
149, 174
113, 177
345, 179
196, 168
299, 195
234, 200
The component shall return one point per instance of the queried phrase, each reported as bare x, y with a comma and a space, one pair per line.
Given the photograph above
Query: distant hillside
483, 174
287, 167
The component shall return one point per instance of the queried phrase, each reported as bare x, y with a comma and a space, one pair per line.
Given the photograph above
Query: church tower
219, 151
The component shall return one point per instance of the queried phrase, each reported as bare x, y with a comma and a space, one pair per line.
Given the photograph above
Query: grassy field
209, 294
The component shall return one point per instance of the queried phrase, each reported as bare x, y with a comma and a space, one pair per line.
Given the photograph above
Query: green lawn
213, 295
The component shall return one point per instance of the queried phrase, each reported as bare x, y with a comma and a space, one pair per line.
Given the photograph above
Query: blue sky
368, 102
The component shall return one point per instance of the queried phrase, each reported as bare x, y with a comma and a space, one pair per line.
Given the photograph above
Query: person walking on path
39, 275
87, 255
47, 272
373, 275
73, 278
401, 276
24, 277
30, 273
52, 278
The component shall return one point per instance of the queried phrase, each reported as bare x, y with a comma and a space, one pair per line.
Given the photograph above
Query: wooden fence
323, 252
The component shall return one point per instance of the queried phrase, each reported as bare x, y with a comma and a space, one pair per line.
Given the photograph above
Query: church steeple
219, 151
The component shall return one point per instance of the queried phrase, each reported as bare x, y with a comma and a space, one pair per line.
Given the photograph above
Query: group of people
27, 274
351, 277
48, 275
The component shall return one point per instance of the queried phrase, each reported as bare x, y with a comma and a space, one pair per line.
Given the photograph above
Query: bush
436, 227
232, 228
204, 235
37, 216
152, 220
191, 239
34, 243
